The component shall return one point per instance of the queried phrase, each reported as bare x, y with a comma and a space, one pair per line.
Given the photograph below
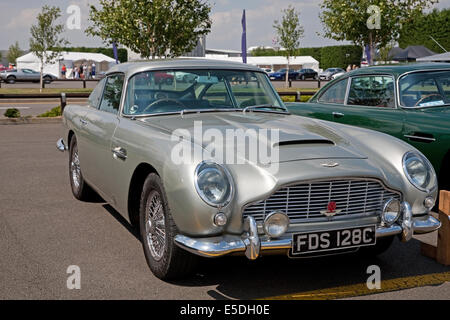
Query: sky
16, 18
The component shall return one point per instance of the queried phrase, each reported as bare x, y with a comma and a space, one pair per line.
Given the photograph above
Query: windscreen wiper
264, 106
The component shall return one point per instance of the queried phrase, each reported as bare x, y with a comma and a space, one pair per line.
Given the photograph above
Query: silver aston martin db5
218, 166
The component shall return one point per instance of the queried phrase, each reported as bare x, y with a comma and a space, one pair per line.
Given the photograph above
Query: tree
289, 31
426, 27
45, 36
14, 52
163, 28
364, 23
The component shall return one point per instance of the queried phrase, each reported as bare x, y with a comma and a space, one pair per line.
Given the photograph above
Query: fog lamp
429, 202
391, 211
276, 224
220, 219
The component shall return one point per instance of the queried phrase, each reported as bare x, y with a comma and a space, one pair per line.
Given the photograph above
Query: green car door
370, 104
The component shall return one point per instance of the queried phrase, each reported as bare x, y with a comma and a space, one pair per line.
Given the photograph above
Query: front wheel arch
134, 192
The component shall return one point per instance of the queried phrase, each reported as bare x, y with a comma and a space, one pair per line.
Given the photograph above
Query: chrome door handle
119, 153
83, 122
338, 114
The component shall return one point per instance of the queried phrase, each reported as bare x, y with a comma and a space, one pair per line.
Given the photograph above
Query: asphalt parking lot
44, 230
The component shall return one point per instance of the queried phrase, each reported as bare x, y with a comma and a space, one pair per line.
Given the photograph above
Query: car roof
399, 69
130, 68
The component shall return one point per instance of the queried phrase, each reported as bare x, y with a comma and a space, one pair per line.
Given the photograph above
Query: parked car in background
163, 77
304, 74
281, 75
337, 75
331, 189
326, 75
268, 71
184, 76
25, 75
410, 102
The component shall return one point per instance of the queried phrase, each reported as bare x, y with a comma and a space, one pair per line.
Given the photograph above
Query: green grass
55, 112
49, 90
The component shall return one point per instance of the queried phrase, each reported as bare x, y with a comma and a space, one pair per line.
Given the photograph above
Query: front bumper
252, 244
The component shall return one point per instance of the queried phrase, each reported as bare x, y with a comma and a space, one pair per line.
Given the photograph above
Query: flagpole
244, 38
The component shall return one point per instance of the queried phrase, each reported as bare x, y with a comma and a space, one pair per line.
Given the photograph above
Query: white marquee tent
272, 62
70, 59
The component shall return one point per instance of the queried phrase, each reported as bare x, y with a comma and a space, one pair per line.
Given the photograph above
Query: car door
330, 99
99, 125
370, 104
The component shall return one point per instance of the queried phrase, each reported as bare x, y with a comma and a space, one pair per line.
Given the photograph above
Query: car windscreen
153, 92
425, 89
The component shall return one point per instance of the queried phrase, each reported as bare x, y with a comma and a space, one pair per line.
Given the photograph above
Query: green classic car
410, 102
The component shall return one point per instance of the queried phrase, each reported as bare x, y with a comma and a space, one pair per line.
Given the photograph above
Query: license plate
329, 240
272, 78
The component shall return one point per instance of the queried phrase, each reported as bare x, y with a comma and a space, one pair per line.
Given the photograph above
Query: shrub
340, 56
55, 112
12, 113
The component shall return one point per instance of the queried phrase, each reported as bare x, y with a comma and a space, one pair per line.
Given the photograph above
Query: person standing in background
89, 71
85, 71
93, 70
63, 71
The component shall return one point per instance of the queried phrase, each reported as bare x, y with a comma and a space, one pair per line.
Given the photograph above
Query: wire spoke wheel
75, 169
155, 227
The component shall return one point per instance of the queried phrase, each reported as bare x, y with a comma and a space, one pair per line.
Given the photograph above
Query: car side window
112, 93
96, 94
372, 91
335, 93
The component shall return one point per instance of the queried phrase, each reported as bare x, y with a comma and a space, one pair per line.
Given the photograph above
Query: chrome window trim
415, 71
332, 85
125, 89
121, 96
372, 75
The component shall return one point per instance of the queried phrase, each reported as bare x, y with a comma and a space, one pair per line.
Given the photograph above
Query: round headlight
418, 170
276, 224
213, 184
391, 211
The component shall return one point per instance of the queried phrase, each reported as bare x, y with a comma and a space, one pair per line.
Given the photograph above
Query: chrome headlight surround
413, 158
211, 170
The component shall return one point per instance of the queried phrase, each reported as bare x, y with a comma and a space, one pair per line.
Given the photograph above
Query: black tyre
47, 79
383, 244
11, 79
158, 230
80, 189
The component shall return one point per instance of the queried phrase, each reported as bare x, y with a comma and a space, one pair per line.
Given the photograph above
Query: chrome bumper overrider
252, 244
60, 145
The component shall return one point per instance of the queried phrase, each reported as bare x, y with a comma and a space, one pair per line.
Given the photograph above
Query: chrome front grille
304, 202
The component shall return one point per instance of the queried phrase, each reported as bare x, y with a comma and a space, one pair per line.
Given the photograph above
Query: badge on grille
331, 209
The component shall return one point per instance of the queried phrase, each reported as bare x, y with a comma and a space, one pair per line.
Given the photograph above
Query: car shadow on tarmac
235, 277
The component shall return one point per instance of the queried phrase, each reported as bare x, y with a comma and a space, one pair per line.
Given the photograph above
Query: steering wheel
427, 96
162, 100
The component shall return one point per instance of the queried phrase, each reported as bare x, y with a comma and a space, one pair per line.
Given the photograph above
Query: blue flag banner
115, 52
244, 39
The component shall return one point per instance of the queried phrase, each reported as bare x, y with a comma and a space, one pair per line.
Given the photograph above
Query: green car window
425, 89
372, 91
335, 93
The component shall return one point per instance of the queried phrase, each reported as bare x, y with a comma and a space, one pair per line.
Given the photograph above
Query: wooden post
442, 252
